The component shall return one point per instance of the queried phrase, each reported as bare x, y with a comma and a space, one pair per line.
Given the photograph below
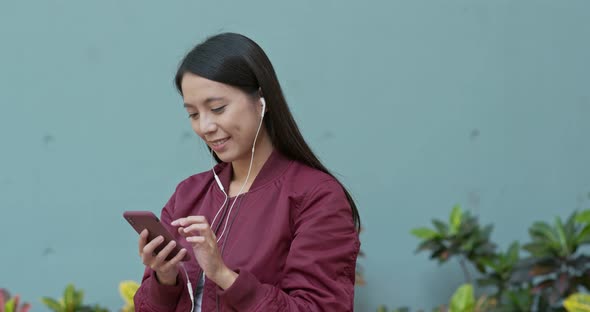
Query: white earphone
263, 106
263, 102
190, 287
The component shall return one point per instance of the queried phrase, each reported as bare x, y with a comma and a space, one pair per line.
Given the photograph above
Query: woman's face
225, 117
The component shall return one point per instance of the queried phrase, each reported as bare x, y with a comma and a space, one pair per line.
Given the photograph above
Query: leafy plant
555, 268
462, 237
577, 302
383, 308
515, 300
463, 300
72, 301
499, 269
127, 290
12, 304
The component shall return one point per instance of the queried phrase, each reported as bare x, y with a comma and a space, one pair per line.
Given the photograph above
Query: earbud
263, 106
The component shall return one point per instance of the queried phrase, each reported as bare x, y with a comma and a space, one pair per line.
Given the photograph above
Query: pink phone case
141, 220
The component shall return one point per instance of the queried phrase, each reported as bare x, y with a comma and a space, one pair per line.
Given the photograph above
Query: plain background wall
416, 105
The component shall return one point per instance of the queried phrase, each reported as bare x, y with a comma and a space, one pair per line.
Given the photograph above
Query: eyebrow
207, 101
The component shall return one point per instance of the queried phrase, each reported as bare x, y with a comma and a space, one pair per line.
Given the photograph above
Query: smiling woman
271, 229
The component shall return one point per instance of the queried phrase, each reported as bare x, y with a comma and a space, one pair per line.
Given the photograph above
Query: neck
240, 167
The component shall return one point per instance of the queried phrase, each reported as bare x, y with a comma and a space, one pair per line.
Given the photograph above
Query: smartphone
141, 220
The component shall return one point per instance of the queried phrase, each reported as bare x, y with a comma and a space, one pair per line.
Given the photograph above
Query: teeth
216, 143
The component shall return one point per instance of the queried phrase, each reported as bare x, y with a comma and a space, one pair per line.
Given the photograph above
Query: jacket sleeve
153, 296
320, 269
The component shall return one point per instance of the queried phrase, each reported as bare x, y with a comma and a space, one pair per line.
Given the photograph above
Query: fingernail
174, 223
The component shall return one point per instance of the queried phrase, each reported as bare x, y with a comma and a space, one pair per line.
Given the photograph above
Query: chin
229, 157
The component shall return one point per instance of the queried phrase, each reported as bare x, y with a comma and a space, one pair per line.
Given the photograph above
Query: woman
268, 228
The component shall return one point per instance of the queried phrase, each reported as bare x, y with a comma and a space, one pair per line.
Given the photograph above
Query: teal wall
417, 105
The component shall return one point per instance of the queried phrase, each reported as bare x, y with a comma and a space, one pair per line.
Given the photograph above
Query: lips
217, 143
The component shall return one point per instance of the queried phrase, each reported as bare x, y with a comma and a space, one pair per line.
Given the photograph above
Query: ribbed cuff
165, 295
245, 293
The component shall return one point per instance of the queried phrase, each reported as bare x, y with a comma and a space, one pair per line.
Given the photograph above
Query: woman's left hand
198, 233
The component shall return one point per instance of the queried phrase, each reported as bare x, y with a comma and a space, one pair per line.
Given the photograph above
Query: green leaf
542, 231
441, 227
78, 297
455, 219
538, 249
563, 240
425, 233
584, 236
52, 304
583, 216
490, 264
463, 299
69, 298
431, 244
512, 254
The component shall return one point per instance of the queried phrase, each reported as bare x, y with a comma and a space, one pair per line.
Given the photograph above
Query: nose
207, 124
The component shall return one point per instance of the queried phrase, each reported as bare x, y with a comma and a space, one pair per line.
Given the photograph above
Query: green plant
72, 301
499, 269
464, 300
127, 290
383, 308
556, 268
12, 304
462, 237
515, 300
577, 302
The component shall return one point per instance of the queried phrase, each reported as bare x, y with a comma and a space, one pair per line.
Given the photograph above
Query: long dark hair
238, 61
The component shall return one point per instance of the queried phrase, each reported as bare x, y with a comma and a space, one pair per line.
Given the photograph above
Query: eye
193, 116
218, 109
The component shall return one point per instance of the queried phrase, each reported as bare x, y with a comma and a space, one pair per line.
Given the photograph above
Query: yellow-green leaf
577, 302
455, 219
69, 298
127, 290
8, 306
463, 299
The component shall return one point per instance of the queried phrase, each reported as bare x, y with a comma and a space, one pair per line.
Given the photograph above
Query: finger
189, 220
199, 228
142, 240
163, 254
151, 246
174, 261
195, 239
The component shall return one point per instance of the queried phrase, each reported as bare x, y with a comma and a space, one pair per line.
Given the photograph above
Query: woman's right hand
166, 271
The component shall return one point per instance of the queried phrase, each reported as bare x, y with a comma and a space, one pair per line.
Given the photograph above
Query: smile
218, 142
